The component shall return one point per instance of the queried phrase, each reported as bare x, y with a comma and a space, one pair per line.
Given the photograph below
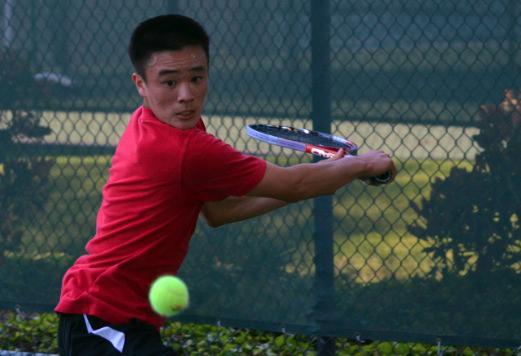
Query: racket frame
316, 149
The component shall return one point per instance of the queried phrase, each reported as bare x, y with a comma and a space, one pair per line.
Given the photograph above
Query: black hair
165, 33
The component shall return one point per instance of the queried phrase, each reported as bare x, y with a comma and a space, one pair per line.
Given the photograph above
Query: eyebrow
198, 69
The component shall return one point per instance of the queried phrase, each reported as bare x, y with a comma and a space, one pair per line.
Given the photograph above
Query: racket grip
381, 179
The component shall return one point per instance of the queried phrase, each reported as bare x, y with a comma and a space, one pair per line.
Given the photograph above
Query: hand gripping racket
314, 142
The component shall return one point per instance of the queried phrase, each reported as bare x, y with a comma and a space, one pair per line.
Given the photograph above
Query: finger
339, 154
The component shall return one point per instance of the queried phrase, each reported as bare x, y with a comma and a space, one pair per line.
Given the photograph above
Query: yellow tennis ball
168, 295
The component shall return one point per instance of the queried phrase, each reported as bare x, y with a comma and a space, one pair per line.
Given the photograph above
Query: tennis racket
309, 141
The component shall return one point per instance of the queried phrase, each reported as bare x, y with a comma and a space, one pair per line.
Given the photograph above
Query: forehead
180, 61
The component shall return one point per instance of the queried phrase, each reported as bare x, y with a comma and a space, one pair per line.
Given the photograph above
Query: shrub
30, 332
23, 177
471, 220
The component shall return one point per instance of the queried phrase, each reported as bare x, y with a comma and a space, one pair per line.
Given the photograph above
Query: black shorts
82, 335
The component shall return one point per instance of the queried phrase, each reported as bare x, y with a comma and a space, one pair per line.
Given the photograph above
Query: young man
166, 171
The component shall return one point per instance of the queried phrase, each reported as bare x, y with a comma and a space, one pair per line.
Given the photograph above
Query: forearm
309, 180
324, 178
235, 209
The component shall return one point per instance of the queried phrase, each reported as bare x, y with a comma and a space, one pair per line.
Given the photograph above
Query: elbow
211, 219
213, 223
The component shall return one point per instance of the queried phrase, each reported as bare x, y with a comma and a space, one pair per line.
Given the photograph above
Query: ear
140, 84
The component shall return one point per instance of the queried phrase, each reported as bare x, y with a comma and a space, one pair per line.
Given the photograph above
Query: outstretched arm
234, 209
283, 185
309, 180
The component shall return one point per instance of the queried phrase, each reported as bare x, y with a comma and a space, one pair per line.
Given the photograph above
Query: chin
185, 125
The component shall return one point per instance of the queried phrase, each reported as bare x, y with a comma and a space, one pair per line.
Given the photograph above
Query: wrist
358, 166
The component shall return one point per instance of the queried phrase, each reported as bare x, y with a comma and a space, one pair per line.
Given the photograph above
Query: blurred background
433, 257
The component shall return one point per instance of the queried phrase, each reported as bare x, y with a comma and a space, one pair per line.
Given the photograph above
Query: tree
471, 220
23, 177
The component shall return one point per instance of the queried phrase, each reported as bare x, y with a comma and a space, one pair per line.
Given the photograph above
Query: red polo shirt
159, 179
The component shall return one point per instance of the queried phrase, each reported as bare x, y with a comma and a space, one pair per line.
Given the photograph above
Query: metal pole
60, 29
323, 220
513, 47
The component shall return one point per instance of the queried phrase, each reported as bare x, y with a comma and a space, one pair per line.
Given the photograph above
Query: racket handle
381, 179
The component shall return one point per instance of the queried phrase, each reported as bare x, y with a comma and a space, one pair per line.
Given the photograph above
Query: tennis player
166, 171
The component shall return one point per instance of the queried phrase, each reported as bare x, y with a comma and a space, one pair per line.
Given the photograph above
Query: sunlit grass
68, 219
372, 242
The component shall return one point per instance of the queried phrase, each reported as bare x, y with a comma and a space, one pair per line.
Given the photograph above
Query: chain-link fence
433, 257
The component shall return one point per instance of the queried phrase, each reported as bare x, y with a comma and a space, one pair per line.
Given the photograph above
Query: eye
170, 83
197, 79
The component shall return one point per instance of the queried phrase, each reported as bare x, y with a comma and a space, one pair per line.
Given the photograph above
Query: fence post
513, 15
60, 28
323, 221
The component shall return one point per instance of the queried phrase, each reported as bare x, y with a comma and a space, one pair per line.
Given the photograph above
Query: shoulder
201, 140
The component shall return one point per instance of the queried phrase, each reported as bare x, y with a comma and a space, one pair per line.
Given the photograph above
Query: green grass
68, 220
372, 242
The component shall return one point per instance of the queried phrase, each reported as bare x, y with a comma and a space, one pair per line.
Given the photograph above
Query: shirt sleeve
213, 170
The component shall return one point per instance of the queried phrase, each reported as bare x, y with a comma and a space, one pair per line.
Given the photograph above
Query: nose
185, 93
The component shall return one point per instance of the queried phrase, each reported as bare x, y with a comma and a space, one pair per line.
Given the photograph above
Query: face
176, 85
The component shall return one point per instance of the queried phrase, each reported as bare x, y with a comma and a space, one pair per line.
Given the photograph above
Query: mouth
185, 114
